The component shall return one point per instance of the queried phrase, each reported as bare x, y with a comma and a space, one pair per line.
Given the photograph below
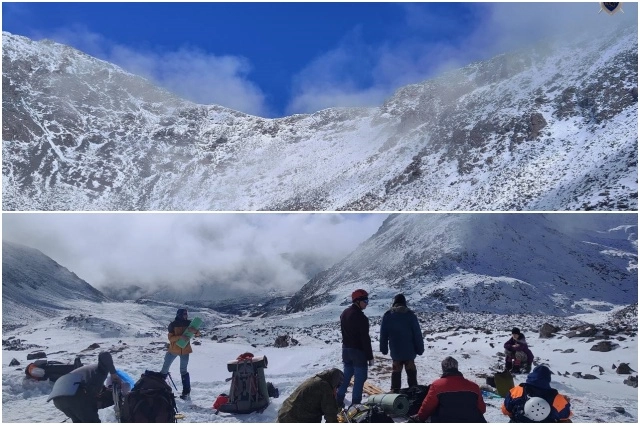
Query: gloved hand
116, 379
370, 362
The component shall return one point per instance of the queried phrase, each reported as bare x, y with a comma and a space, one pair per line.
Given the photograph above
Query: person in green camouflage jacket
313, 399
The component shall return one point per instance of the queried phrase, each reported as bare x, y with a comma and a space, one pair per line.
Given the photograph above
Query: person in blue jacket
400, 332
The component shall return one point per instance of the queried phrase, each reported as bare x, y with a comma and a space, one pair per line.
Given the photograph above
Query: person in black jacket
357, 353
76, 393
400, 332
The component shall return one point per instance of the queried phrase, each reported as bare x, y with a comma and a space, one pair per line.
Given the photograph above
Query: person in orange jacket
176, 329
452, 398
536, 401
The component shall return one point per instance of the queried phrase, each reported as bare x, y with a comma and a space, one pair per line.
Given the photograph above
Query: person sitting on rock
517, 353
536, 401
313, 399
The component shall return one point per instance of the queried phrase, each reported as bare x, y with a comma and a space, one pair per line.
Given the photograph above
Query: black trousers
79, 408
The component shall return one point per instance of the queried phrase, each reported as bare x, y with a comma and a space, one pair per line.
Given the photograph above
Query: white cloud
107, 249
191, 73
500, 27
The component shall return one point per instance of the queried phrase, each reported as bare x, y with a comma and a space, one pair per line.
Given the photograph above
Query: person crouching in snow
517, 353
313, 399
536, 401
176, 329
76, 394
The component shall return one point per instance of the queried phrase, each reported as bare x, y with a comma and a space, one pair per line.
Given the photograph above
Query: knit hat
449, 363
515, 331
400, 299
359, 294
180, 313
540, 377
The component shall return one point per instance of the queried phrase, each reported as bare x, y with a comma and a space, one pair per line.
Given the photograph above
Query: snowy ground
138, 330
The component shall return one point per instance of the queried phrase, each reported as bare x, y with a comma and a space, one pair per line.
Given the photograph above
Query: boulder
619, 409
623, 369
37, 355
583, 331
632, 381
548, 330
603, 346
14, 362
589, 376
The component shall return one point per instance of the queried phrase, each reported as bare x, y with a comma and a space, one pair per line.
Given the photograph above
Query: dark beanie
515, 331
540, 377
399, 299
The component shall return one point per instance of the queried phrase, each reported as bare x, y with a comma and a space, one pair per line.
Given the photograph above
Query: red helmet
359, 294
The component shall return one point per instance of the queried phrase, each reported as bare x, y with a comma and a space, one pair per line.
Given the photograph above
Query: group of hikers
451, 398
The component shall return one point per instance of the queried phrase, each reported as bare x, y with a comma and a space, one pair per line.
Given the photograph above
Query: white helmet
536, 409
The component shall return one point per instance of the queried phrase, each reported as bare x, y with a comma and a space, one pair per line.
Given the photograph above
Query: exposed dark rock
14, 362
548, 330
624, 369
37, 355
632, 381
589, 376
583, 331
603, 346
619, 409
92, 347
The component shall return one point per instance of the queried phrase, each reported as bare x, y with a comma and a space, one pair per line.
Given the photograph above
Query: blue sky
276, 59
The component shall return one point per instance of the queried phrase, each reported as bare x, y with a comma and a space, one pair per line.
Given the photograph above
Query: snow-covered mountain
558, 264
34, 286
554, 127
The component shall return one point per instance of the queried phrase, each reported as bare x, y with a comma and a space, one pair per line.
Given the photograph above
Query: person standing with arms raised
357, 354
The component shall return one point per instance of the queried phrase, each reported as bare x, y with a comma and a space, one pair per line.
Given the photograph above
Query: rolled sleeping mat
392, 404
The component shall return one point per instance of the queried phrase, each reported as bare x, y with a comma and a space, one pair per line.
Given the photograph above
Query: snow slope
503, 263
474, 340
553, 127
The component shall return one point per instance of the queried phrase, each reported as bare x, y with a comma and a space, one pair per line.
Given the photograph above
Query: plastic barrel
392, 404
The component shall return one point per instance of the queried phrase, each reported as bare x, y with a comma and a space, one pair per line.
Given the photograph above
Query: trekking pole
174, 384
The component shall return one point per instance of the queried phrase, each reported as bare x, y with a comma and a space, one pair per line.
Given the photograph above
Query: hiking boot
185, 396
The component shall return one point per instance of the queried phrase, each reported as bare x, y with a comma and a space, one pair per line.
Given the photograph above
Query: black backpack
416, 395
150, 400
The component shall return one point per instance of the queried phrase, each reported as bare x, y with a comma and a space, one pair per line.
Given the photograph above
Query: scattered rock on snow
603, 346
589, 376
632, 381
582, 331
548, 330
619, 409
14, 362
92, 347
37, 355
623, 369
